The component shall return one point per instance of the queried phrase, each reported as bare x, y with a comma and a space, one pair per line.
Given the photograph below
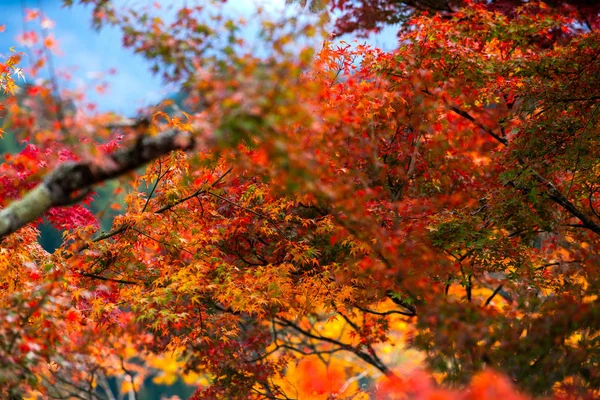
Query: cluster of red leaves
365, 16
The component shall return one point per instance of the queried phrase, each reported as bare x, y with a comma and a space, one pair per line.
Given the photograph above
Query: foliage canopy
318, 223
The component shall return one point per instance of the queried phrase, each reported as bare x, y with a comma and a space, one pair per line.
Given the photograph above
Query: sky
86, 54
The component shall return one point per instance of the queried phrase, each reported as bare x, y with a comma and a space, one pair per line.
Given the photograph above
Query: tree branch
62, 186
104, 278
496, 291
468, 116
553, 193
343, 346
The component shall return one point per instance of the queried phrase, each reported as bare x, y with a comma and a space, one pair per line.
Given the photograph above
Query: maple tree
317, 223
372, 15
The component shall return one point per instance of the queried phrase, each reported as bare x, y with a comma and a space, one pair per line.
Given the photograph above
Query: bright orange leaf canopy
335, 223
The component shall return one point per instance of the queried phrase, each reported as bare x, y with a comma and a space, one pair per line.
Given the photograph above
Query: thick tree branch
64, 185
496, 291
556, 196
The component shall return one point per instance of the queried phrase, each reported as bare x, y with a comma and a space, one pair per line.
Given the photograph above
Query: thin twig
104, 278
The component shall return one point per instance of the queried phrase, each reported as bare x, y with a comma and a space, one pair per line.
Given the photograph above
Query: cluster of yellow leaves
19, 267
169, 368
8, 70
